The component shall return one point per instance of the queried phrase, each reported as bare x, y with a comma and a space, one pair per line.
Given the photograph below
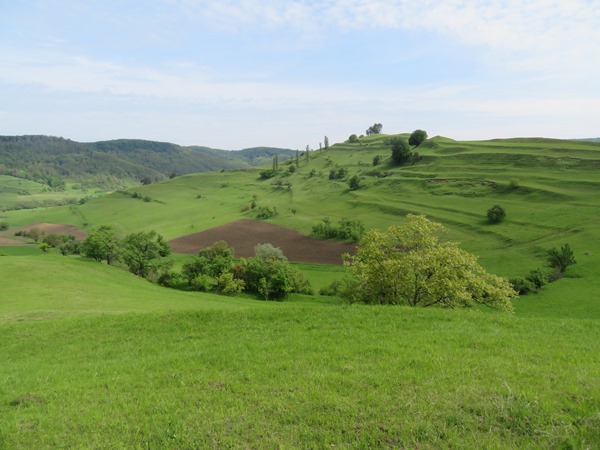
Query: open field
19, 193
244, 235
90, 369
97, 358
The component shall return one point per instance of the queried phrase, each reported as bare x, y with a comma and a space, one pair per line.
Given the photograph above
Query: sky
233, 74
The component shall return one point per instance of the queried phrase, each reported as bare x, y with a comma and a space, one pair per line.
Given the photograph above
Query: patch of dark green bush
347, 229
496, 214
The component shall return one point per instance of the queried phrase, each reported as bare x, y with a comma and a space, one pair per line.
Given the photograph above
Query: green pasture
546, 187
22, 194
297, 375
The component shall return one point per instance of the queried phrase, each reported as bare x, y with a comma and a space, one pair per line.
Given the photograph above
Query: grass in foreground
301, 376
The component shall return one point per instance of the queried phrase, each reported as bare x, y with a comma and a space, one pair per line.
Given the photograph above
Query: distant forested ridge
113, 164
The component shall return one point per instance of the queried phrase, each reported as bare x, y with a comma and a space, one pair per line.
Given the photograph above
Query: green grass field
94, 357
20, 193
104, 359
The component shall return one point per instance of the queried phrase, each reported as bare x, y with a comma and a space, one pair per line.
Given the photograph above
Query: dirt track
243, 235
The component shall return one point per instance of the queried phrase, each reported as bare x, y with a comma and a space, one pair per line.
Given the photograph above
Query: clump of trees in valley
411, 265
214, 269
144, 254
268, 273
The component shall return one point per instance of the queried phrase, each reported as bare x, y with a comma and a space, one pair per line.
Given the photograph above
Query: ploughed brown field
243, 235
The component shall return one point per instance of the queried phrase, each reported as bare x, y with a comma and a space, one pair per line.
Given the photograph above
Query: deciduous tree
374, 129
411, 265
417, 137
400, 150
144, 252
562, 258
102, 244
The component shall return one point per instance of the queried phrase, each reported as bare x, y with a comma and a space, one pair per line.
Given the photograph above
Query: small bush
347, 229
537, 278
354, 183
496, 214
266, 174
3, 226
561, 259
265, 212
521, 285
335, 288
353, 139
377, 160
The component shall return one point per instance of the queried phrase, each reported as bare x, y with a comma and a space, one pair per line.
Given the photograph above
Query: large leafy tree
144, 252
400, 150
417, 137
411, 265
374, 129
102, 244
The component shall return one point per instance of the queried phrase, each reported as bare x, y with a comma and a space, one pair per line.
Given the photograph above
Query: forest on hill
108, 165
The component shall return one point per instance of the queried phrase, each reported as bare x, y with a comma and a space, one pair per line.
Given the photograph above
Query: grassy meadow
94, 357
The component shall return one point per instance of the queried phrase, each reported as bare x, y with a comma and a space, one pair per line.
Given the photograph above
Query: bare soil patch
243, 235
57, 228
5, 242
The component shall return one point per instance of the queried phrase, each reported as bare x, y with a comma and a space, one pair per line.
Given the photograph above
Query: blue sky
240, 73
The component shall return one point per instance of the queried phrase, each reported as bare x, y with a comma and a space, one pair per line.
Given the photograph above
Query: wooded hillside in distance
113, 164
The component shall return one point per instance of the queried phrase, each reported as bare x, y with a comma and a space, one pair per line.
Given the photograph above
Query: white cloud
543, 32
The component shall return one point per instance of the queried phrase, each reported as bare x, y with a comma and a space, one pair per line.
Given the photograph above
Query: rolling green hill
547, 188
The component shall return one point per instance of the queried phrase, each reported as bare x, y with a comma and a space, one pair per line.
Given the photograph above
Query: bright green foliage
44, 247
268, 251
347, 229
211, 262
228, 285
410, 265
400, 150
270, 275
496, 214
417, 137
102, 244
266, 174
537, 278
144, 253
561, 259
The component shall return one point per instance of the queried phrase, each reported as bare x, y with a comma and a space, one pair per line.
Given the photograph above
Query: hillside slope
111, 164
547, 187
